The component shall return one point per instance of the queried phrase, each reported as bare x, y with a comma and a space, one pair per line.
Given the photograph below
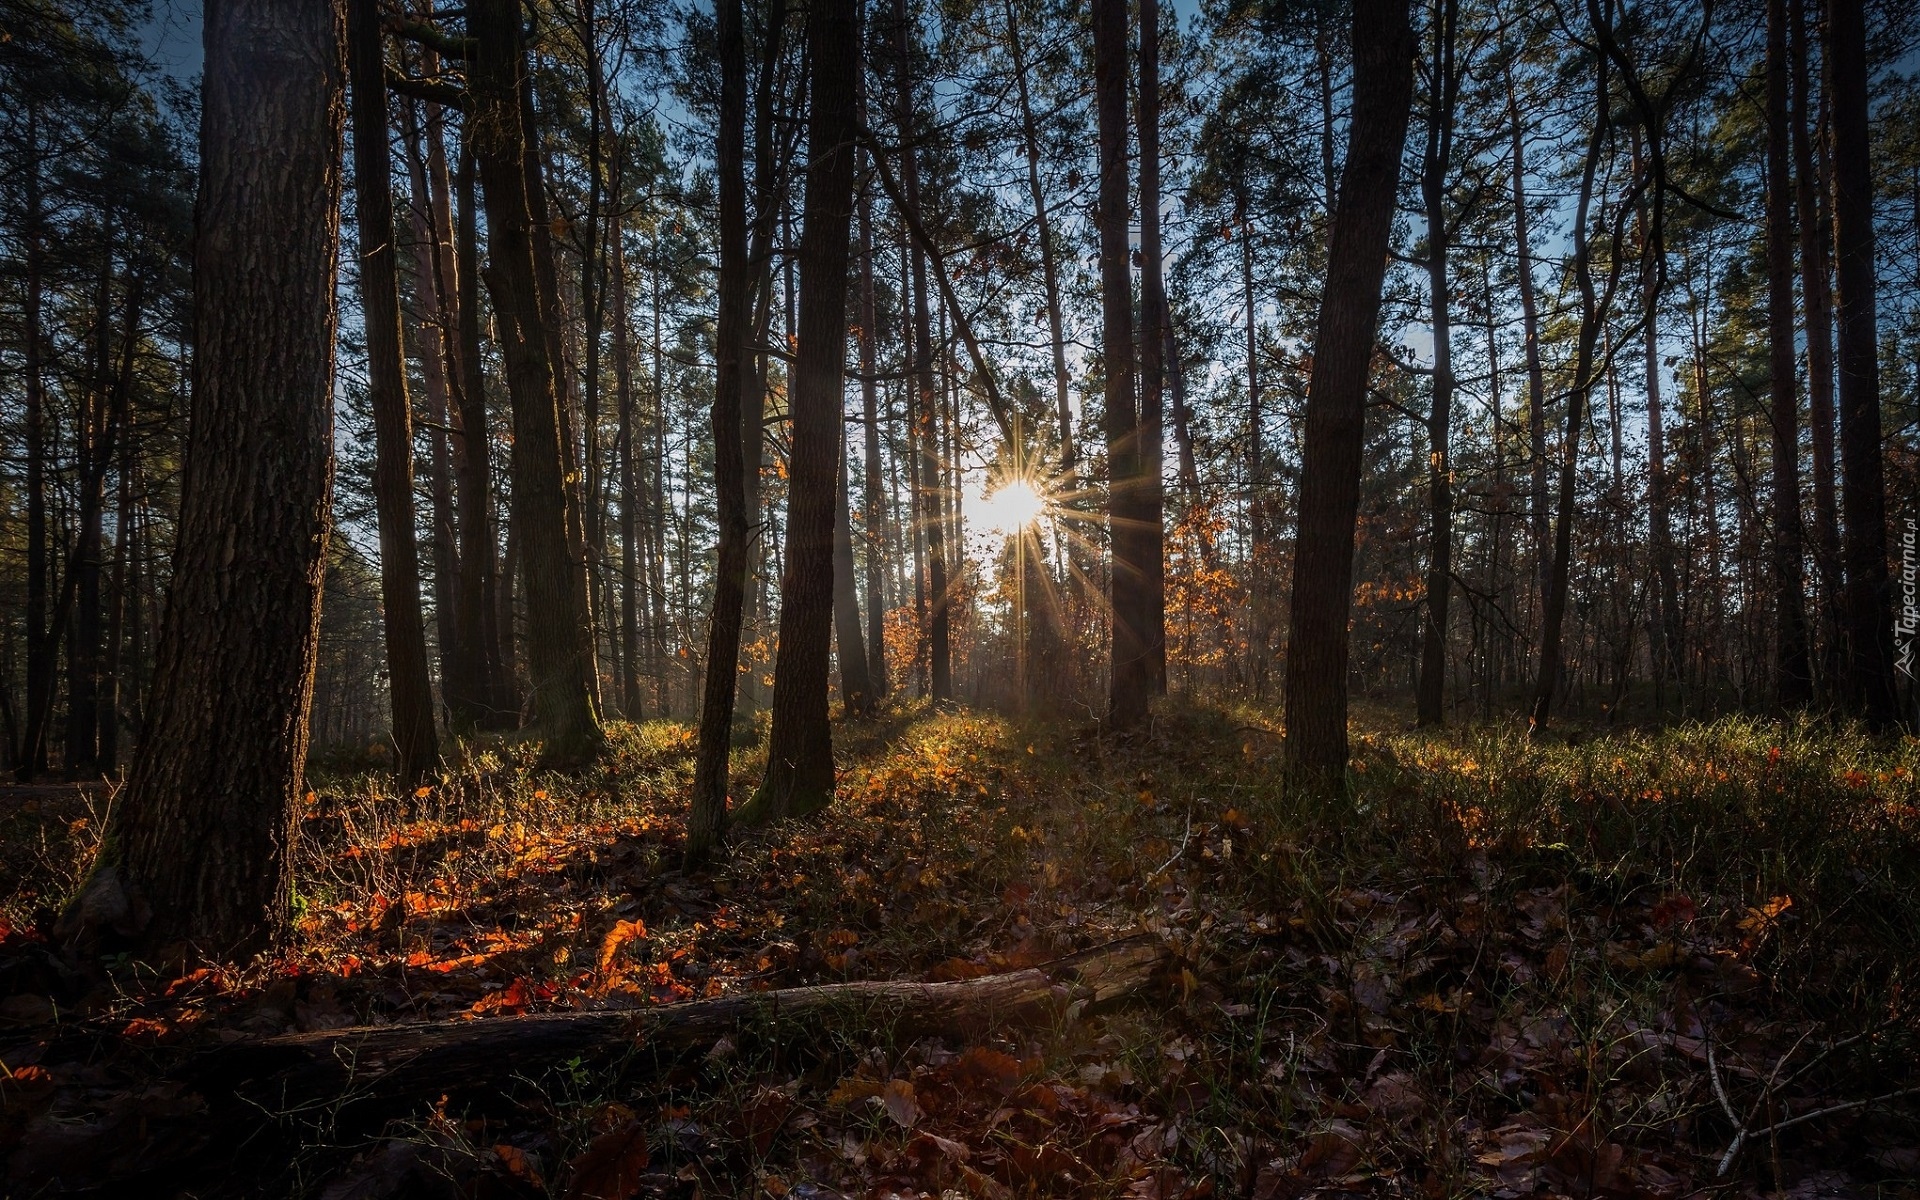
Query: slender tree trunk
1043, 231
856, 686
93, 429
707, 820
33, 760
926, 406
486, 589
1153, 328
632, 702
874, 525
198, 849
1793, 674
408, 685
124, 581
1664, 622
1256, 489
1130, 678
1530, 330
1443, 89
1816, 288
1592, 320
1869, 615
559, 639
799, 777
1316, 684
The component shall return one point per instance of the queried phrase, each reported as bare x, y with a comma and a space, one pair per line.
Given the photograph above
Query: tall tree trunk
632, 500
485, 596
408, 685
1664, 623
1443, 88
1316, 684
1530, 330
1592, 321
33, 760
707, 820
1043, 232
1130, 679
874, 525
1869, 600
856, 686
799, 778
198, 849
1793, 674
83, 624
559, 639
1256, 489
1153, 328
123, 605
926, 404
1816, 290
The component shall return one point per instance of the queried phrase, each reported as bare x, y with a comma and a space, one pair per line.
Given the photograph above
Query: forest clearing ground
1506, 969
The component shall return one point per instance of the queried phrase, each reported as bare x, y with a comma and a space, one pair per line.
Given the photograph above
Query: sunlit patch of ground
1505, 969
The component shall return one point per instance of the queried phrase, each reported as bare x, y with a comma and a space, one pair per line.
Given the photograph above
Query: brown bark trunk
1129, 680
197, 849
559, 639
1153, 341
874, 525
1316, 684
856, 685
1793, 675
707, 820
33, 757
632, 700
408, 686
1530, 329
1869, 607
799, 778
1443, 89
1043, 232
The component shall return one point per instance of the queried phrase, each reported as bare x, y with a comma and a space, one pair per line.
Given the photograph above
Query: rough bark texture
415, 743
1316, 685
196, 850
1129, 680
559, 635
1869, 613
1793, 677
799, 776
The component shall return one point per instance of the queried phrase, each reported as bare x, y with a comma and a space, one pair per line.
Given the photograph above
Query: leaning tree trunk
197, 850
559, 638
707, 820
799, 776
1316, 685
1792, 669
408, 686
1129, 680
1869, 610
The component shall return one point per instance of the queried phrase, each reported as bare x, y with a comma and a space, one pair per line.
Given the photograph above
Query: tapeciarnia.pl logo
1908, 623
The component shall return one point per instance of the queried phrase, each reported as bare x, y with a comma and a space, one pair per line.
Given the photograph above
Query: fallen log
371, 1066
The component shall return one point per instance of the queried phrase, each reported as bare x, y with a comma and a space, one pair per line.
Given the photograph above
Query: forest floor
1627, 964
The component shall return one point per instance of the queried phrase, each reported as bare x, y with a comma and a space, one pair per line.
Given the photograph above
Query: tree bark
559, 639
409, 687
1869, 615
799, 778
1530, 330
198, 848
707, 819
1043, 233
1153, 342
1793, 675
33, 759
856, 686
1816, 290
1443, 91
1316, 684
874, 524
1129, 680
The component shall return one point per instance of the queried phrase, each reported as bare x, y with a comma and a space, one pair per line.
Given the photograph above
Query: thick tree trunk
1443, 87
799, 778
1869, 609
1316, 685
1793, 675
408, 685
707, 820
559, 638
1129, 680
1816, 290
1153, 342
198, 848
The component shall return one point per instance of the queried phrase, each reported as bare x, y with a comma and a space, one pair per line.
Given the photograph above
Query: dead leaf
902, 1105
611, 1166
621, 933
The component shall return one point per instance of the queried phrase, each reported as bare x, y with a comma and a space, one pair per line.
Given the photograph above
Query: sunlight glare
1012, 507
